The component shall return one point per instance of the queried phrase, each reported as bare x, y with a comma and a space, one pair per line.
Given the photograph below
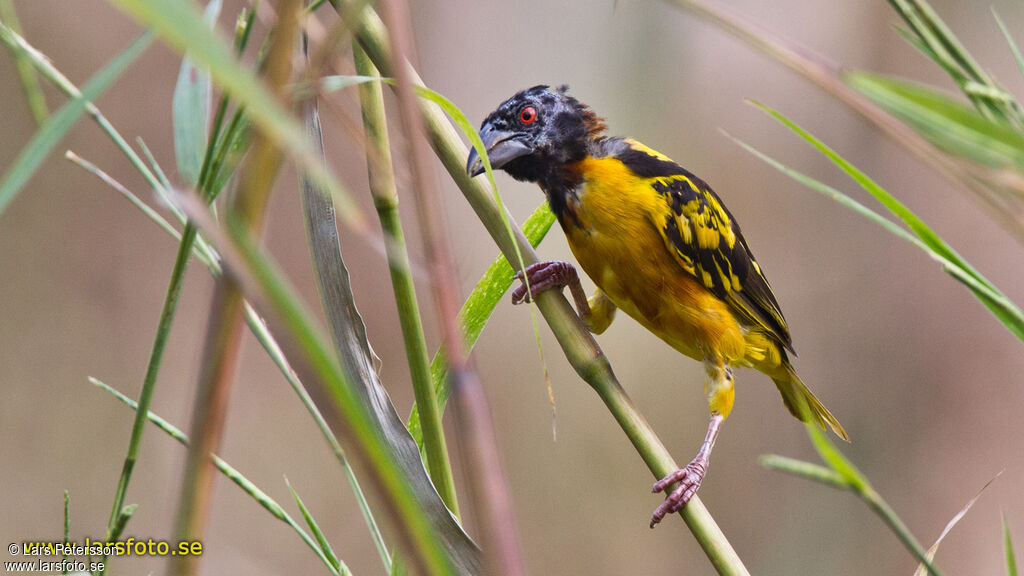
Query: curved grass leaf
950, 125
191, 110
44, 141
353, 349
1005, 310
181, 25
321, 540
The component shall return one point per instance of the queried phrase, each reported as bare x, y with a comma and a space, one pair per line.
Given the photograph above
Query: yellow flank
621, 249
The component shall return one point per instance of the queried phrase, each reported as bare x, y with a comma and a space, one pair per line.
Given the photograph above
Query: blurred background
927, 383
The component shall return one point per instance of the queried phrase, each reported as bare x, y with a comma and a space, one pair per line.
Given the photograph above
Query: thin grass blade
46, 139
321, 540
1017, 57
808, 470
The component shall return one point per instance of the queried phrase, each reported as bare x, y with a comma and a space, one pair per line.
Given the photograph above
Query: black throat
561, 186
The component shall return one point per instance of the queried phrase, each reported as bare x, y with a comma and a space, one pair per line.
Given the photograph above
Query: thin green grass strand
948, 124
191, 110
321, 540
1010, 41
58, 125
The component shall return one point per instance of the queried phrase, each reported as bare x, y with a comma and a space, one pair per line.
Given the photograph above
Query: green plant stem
167, 314
163, 330
888, 515
579, 346
385, 200
29, 80
223, 340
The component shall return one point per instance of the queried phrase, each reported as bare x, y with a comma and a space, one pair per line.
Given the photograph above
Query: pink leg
689, 478
549, 275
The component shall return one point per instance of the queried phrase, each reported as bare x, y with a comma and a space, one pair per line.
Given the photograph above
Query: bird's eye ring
527, 115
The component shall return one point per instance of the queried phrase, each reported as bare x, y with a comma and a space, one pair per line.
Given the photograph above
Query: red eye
527, 115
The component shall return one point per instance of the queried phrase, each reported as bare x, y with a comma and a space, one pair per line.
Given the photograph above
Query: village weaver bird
660, 245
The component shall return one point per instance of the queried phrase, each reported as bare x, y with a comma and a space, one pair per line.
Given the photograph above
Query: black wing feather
705, 238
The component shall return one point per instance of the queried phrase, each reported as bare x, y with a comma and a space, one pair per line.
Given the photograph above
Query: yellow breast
616, 243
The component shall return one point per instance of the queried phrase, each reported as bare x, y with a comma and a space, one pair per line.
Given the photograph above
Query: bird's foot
545, 276
689, 479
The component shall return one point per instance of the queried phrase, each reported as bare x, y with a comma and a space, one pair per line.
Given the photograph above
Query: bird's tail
803, 404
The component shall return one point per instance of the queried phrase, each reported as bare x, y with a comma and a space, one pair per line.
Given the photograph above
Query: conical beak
502, 147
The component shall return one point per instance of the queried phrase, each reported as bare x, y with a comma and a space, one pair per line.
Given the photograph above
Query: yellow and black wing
705, 239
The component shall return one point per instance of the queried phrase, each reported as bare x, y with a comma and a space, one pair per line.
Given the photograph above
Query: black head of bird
533, 134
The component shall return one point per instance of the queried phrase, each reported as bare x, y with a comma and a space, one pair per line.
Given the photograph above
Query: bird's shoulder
701, 233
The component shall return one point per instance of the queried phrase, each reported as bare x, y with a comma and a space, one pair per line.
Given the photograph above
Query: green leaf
181, 25
952, 263
191, 110
950, 125
46, 139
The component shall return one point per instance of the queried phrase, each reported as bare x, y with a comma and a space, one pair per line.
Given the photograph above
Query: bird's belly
628, 261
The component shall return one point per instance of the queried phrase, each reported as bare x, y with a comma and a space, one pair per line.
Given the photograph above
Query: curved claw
689, 479
544, 276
